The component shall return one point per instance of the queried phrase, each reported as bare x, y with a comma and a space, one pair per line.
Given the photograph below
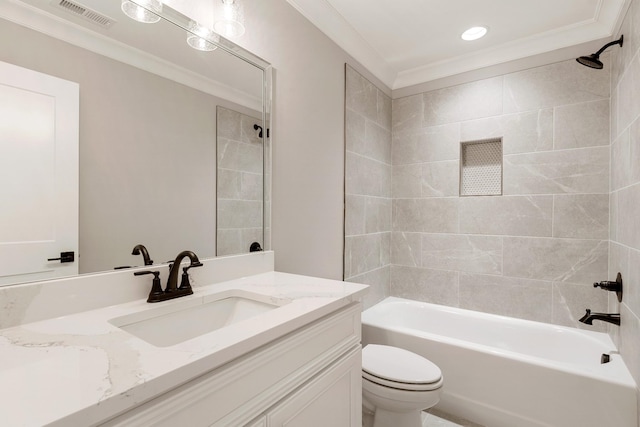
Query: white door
39, 122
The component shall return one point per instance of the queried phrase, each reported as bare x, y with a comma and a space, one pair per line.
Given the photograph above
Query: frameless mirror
162, 129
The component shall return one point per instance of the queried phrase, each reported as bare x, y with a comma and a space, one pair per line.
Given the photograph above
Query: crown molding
322, 15
605, 23
51, 25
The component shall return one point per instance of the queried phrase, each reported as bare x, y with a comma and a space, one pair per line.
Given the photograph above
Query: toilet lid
393, 366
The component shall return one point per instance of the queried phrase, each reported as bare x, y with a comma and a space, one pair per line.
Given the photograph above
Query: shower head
593, 60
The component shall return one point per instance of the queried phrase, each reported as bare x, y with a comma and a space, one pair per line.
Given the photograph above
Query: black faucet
138, 249
172, 282
172, 290
589, 317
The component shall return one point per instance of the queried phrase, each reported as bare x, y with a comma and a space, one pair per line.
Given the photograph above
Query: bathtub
505, 372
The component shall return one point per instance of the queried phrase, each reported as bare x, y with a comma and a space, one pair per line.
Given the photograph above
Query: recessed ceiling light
474, 33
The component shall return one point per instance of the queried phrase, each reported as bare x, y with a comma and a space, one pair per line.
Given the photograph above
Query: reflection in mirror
240, 181
147, 128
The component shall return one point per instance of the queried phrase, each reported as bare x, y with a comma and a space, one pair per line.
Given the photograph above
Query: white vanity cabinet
310, 377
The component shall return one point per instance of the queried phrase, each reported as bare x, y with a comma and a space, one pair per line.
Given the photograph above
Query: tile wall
534, 251
624, 251
240, 184
367, 186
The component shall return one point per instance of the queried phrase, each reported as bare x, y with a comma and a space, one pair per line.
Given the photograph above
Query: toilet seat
400, 369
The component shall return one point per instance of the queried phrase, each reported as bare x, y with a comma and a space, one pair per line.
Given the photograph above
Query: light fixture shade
229, 19
142, 10
202, 38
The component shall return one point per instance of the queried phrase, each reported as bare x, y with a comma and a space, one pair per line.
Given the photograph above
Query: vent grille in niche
85, 13
481, 168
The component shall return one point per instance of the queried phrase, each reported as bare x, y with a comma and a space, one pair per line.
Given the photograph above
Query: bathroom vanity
285, 350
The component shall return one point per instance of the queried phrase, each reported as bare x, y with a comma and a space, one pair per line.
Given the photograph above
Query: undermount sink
180, 321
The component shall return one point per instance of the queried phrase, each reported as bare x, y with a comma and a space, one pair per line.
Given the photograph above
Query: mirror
156, 118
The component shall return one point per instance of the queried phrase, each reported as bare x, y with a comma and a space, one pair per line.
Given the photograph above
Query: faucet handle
156, 287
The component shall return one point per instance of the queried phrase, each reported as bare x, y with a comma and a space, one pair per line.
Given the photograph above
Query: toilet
397, 385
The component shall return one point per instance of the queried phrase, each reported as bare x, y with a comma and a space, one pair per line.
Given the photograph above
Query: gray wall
624, 253
147, 153
367, 186
533, 252
308, 133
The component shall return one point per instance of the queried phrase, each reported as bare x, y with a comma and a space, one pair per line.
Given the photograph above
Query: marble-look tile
431, 144
15, 303
239, 213
631, 281
354, 217
406, 249
570, 302
378, 281
440, 179
583, 170
407, 181
506, 296
421, 284
621, 161
629, 342
614, 112
406, 114
521, 132
367, 177
634, 150
474, 254
361, 95
619, 262
553, 85
239, 185
236, 240
628, 107
433, 215
628, 203
563, 260
507, 215
377, 215
613, 216
365, 253
581, 125
378, 142
467, 101
384, 110
581, 216
239, 156
354, 133
228, 124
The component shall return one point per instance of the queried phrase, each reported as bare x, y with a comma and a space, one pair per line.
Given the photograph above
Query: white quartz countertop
81, 370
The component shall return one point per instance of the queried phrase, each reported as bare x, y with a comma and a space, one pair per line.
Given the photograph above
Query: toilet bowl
397, 385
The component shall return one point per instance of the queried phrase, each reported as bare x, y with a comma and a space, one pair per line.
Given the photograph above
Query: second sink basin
180, 321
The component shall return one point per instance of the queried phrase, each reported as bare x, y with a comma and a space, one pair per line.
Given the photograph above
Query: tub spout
589, 317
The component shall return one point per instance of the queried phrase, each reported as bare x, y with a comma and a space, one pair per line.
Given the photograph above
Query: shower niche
481, 167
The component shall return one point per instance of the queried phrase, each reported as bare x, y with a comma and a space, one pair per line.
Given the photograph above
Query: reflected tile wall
624, 223
368, 186
239, 183
535, 251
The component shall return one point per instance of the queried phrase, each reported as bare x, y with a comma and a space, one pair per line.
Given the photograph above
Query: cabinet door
333, 398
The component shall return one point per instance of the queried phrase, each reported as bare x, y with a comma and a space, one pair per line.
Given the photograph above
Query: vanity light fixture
229, 19
474, 33
199, 37
142, 10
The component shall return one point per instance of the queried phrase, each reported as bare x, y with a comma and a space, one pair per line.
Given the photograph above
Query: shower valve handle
608, 285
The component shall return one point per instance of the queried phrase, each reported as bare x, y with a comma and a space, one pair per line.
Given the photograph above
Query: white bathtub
505, 372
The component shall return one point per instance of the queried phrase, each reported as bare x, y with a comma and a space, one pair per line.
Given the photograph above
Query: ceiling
409, 42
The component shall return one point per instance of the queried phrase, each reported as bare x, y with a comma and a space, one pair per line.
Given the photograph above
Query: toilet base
384, 418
